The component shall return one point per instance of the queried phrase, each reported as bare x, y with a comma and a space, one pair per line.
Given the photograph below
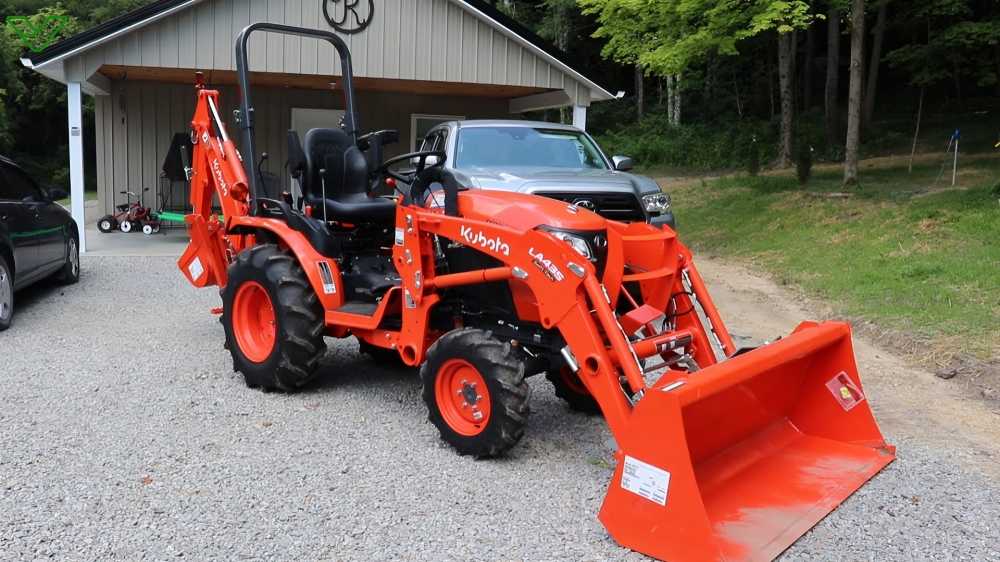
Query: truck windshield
506, 147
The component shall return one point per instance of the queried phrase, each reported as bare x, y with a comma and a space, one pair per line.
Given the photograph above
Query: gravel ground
125, 435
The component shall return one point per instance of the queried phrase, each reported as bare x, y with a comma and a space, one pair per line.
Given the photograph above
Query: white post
76, 160
954, 168
580, 117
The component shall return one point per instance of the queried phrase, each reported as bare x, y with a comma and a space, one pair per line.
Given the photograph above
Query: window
500, 147
420, 125
22, 186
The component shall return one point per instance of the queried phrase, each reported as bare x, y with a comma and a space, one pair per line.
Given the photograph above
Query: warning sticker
845, 391
646, 480
399, 236
196, 269
329, 287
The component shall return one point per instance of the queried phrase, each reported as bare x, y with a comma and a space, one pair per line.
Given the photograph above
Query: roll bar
245, 114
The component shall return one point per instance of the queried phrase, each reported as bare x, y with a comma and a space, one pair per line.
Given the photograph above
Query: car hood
532, 179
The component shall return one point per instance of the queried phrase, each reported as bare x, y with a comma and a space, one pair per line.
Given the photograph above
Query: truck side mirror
622, 163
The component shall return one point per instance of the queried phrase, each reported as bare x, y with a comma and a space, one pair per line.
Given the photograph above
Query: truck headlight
578, 244
657, 202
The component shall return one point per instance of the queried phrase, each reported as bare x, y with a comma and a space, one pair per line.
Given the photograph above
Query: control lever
260, 175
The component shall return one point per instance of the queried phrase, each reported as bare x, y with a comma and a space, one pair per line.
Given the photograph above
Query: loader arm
216, 171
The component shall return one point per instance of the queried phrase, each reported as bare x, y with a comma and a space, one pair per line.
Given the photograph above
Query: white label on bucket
196, 269
646, 480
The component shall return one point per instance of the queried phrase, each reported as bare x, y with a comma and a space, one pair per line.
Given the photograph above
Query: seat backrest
346, 167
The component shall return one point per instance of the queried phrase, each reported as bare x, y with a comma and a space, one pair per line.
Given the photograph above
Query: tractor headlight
657, 202
578, 244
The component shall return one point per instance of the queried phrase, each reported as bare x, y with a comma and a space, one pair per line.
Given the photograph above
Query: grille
622, 207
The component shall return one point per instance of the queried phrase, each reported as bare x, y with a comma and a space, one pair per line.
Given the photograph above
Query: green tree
668, 36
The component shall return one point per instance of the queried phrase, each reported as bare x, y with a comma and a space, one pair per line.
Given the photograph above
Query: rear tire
570, 388
273, 320
6, 295
107, 223
475, 393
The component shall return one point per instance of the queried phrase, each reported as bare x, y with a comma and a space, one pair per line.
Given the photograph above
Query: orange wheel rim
253, 321
462, 397
573, 381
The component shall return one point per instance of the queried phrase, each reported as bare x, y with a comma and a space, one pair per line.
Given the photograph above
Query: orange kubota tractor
717, 460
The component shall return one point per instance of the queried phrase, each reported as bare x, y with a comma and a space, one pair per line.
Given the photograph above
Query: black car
38, 237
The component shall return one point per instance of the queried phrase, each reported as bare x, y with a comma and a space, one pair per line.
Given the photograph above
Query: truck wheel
273, 319
475, 393
107, 224
570, 388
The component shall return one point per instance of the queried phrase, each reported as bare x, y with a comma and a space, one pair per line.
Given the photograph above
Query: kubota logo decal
548, 268
222, 182
480, 239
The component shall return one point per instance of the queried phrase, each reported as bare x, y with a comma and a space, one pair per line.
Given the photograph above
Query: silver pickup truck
551, 160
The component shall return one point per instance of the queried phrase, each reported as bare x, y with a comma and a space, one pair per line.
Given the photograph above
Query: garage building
416, 63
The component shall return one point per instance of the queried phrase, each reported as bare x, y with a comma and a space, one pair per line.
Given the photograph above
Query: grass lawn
891, 251
87, 195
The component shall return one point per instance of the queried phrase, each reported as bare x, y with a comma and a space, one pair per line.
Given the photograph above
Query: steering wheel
421, 164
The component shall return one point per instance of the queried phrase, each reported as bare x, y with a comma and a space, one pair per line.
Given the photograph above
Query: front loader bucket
747, 455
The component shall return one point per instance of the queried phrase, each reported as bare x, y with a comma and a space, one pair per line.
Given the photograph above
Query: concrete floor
167, 242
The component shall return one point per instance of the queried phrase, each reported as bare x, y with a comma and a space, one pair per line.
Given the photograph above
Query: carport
417, 63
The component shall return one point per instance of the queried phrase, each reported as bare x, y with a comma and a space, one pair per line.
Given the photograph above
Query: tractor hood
526, 212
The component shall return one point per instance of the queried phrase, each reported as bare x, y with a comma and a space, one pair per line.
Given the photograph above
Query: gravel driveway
125, 435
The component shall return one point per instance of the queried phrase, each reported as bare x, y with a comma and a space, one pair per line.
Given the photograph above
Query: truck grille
622, 207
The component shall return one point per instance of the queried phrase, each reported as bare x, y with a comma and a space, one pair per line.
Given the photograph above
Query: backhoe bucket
747, 455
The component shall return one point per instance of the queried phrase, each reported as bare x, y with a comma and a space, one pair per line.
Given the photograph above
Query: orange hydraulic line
469, 277
727, 374
698, 286
611, 329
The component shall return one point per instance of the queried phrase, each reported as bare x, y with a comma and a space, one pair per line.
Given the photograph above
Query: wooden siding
407, 39
139, 120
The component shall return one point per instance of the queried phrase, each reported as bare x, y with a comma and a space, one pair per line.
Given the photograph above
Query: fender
314, 264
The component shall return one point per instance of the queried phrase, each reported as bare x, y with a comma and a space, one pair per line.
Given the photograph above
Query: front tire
6, 295
126, 226
475, 393
273, 320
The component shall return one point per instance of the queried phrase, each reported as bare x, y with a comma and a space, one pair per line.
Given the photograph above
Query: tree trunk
785, 71
770, 77
808, 65
640, 98
677, 100
832, 75
869, 108
854, 92
670, 98
920, 112
793, 73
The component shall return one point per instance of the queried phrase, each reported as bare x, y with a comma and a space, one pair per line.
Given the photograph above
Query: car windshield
505, 147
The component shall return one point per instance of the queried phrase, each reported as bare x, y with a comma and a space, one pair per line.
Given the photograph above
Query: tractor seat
348, 198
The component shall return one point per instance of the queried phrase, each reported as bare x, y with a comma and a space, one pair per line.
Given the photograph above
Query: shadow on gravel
34, 295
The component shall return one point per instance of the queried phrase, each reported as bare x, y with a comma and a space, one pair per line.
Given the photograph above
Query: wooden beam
320, 82
555, 98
